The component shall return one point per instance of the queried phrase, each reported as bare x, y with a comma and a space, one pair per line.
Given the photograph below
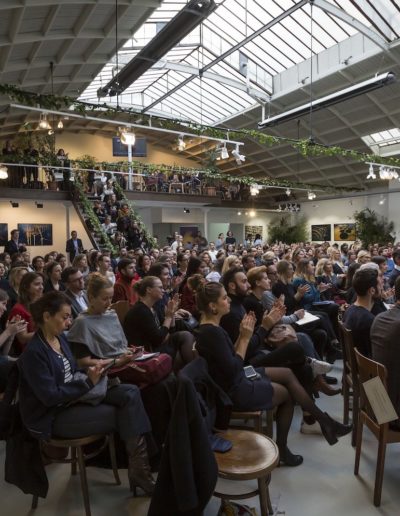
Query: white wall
53, 212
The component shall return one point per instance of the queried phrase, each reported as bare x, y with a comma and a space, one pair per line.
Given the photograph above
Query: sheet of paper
307, 319
379, 400
146, 356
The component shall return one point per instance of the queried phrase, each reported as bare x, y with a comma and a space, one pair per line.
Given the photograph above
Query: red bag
144, 373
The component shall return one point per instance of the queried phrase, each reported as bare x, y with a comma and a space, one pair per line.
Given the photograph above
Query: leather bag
144, 373
280, 335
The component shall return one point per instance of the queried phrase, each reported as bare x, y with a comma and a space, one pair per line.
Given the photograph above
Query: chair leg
360, 428
270, 424
73, 460
265, 503
345, 392
35, 500
113, 457
356, 402
380, 468
258, 424
84, 484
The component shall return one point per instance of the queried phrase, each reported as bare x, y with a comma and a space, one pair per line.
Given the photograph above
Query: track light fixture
127, 135
386, 173
239, 213
14, 204
60, 124
224, 152
239, 158
252, 213
181, 143
255, 190
43, 122
311, 195
3, 171
186, 210
288, 192
39, 204
371, 172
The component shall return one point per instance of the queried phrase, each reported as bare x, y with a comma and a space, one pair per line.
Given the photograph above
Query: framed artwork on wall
189, 233
253, 231
35, 234
346, 232
321, 232
3, 233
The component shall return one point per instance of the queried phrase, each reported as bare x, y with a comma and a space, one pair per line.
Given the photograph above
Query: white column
205, 213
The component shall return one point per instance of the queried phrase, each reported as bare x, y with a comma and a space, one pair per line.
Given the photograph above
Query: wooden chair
176, 187
121, 307
370, 369
350, 381
256, 417
253, 456
78, 456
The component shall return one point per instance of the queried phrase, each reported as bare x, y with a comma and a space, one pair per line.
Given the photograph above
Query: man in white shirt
212, 251
177, 242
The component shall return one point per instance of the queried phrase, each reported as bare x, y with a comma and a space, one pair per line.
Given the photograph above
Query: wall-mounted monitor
139, 150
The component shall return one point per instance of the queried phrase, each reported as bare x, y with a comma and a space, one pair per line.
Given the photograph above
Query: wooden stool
253, 456
77, 456
256, 417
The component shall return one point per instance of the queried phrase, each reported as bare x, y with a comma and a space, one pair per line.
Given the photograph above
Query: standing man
12, 246
74, 246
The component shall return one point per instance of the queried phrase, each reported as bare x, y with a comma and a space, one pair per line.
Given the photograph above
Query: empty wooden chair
350, 382
78, 456
252, 457
370, 369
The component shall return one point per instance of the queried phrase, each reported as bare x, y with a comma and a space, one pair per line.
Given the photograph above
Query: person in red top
123, 288
30, 290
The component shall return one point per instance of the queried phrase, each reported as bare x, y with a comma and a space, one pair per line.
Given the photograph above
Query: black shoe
287, 458
333, 354
332, 429
342, 429
330, 380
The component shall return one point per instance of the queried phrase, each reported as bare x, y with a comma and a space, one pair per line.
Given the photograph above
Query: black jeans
121, 411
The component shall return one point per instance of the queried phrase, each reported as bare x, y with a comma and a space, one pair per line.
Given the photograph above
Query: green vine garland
306, 147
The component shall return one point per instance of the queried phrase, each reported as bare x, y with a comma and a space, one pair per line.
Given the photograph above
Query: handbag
145, 373
96, 394
280, 335
186, 324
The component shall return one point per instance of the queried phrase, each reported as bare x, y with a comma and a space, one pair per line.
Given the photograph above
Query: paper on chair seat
379, 400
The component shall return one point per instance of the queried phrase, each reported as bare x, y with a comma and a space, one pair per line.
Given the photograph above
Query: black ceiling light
14, 204
39, 204
339, 96
194, 12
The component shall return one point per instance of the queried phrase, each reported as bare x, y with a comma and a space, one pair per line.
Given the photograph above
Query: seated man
358, 317
396, 268
385, 332
75, 290
123, 288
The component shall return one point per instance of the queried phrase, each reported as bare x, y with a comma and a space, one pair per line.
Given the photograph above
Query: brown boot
321, 386
139, 472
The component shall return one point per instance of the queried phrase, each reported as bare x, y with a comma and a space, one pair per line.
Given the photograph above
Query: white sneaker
313, 429
320, 367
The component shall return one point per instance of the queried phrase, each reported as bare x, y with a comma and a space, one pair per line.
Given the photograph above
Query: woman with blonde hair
14, 279
80, 262
230, 261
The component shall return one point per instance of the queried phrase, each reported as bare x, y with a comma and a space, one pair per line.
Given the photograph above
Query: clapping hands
247, 326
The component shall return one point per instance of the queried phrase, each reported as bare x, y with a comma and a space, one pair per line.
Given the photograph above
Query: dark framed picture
35, 234
3, 233
346, 232
321, 232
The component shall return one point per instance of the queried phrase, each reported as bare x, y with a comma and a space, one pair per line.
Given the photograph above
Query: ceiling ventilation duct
194, 12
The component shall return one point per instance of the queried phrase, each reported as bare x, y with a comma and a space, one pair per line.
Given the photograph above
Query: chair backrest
349, 357
121, 307
368, 369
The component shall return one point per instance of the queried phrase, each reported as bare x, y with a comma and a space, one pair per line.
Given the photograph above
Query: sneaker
320, 367
313, 429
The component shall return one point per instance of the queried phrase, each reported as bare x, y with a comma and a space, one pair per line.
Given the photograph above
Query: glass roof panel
282, 46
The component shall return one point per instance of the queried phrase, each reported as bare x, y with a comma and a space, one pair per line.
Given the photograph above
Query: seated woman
49, 394
188, 299
143, 328
30, 290
53, 282
275, 386
324, 273
14, 280
80, 262
13, 327
311, 298
143, 265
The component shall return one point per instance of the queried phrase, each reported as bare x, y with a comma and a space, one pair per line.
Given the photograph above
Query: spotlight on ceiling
39, 204
224, 152
181, 143
43, 122
252, 213
311, 195
14, 204
60, 124
239, 213
371, 172
3, 171
339, 96
239, 158
382, 200
288, 192
127, 135
254, 190
186, 210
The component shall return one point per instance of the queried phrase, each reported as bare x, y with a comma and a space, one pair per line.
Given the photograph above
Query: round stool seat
253, 455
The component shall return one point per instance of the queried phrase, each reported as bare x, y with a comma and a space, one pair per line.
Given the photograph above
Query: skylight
384, 143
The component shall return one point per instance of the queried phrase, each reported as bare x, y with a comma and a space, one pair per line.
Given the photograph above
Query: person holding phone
276, 387
49, 395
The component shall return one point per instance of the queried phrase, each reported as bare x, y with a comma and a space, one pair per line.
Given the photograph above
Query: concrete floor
324, 485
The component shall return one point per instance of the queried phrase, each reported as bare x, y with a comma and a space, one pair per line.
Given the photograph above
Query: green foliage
371, 228
283, 232
85, 162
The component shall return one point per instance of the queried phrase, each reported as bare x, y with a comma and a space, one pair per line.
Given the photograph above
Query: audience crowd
265, 317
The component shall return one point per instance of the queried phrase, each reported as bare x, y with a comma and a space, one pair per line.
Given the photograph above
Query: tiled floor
324, 485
